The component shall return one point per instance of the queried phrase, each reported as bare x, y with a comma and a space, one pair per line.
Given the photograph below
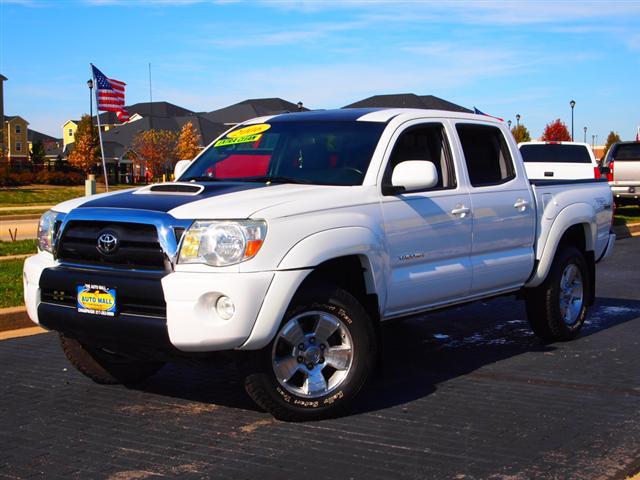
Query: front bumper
169, 311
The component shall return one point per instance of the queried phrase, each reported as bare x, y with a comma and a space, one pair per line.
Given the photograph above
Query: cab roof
381, 115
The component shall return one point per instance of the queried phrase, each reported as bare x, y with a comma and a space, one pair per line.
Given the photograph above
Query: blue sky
505, 57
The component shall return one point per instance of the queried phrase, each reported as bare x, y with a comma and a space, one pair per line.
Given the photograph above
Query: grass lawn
11, 283
20, 247
626, 215
44, 194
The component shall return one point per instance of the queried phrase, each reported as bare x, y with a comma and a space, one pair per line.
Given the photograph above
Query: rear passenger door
428, 232
503, 213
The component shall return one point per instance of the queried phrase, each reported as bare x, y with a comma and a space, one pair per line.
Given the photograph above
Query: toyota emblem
107, 243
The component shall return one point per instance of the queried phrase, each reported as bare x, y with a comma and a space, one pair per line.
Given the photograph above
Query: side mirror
413, 175
180, 167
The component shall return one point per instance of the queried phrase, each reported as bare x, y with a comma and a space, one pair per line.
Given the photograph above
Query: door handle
521, 205
460, 210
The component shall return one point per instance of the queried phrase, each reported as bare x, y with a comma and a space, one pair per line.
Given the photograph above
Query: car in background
621, 165
559, 160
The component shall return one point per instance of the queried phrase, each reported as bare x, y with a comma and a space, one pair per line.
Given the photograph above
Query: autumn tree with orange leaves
155, 150
86, 147
188, 143
556, 131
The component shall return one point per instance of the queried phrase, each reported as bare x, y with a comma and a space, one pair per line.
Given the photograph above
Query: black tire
544, 309
262, 384
105, 367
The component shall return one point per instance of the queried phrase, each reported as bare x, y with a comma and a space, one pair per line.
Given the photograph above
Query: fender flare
576, 214
300, 261
341, 242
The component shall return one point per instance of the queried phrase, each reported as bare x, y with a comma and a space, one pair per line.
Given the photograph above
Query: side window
424, 142
486, 155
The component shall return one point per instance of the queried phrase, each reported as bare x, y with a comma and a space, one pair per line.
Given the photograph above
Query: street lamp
300, 106
517, 120
509, 123
90, 85
593, 141
585, 134
573, 104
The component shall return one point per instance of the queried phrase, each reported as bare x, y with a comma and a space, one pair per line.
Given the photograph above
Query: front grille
138, 247
138, 293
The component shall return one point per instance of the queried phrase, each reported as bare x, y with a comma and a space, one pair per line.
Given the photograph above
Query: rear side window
627, 151
486, 155
424, 142
555, 153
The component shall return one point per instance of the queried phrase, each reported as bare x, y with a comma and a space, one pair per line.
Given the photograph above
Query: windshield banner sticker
233, 141
250, 130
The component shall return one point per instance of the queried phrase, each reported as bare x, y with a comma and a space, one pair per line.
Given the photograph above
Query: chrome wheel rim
571, 294
312, 354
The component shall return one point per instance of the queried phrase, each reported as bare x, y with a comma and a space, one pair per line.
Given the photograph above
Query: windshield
321, 153
555, 153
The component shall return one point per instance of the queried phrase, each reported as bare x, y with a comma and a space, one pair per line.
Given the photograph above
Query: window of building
18, 129
71, 132
486, 154
18, 146
424, 142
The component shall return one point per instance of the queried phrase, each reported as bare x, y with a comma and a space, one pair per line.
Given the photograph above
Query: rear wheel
319, 360
558, 307
103, 366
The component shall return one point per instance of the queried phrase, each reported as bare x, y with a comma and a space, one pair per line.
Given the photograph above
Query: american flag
478, 112
110, 95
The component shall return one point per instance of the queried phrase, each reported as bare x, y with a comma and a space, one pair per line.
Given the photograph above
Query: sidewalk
26, 207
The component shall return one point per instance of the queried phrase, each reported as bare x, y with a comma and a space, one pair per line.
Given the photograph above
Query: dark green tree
38, 152
521, 134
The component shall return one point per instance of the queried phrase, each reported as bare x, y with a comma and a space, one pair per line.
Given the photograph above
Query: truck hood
224, 200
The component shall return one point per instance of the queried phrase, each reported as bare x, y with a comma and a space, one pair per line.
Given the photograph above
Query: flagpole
104, 162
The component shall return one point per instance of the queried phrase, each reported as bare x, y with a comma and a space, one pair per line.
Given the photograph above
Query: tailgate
627, 171
558, 170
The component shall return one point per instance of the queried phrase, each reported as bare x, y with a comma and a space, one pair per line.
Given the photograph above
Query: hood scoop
171, 189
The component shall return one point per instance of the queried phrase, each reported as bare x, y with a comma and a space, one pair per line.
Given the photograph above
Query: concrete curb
14, 318
626, 231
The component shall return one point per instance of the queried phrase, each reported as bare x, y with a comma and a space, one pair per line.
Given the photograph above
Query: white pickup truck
558, 160
290, 238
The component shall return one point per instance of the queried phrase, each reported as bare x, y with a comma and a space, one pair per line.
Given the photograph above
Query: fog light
225, 308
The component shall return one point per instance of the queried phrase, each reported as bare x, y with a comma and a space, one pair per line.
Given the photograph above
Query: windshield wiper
276, 179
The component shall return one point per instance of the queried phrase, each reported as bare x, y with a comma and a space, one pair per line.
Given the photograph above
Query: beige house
15, 139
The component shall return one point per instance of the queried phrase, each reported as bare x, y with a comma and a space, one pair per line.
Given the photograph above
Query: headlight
46, 230
221, 243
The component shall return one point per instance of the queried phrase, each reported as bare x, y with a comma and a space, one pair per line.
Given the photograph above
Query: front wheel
319, 360
558, 307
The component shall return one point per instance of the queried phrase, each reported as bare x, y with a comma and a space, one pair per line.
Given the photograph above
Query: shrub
60, 178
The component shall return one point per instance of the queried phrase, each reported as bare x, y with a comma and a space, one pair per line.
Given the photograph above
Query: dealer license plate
96, 300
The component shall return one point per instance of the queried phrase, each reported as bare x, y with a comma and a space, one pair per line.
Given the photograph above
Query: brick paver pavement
468, 394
